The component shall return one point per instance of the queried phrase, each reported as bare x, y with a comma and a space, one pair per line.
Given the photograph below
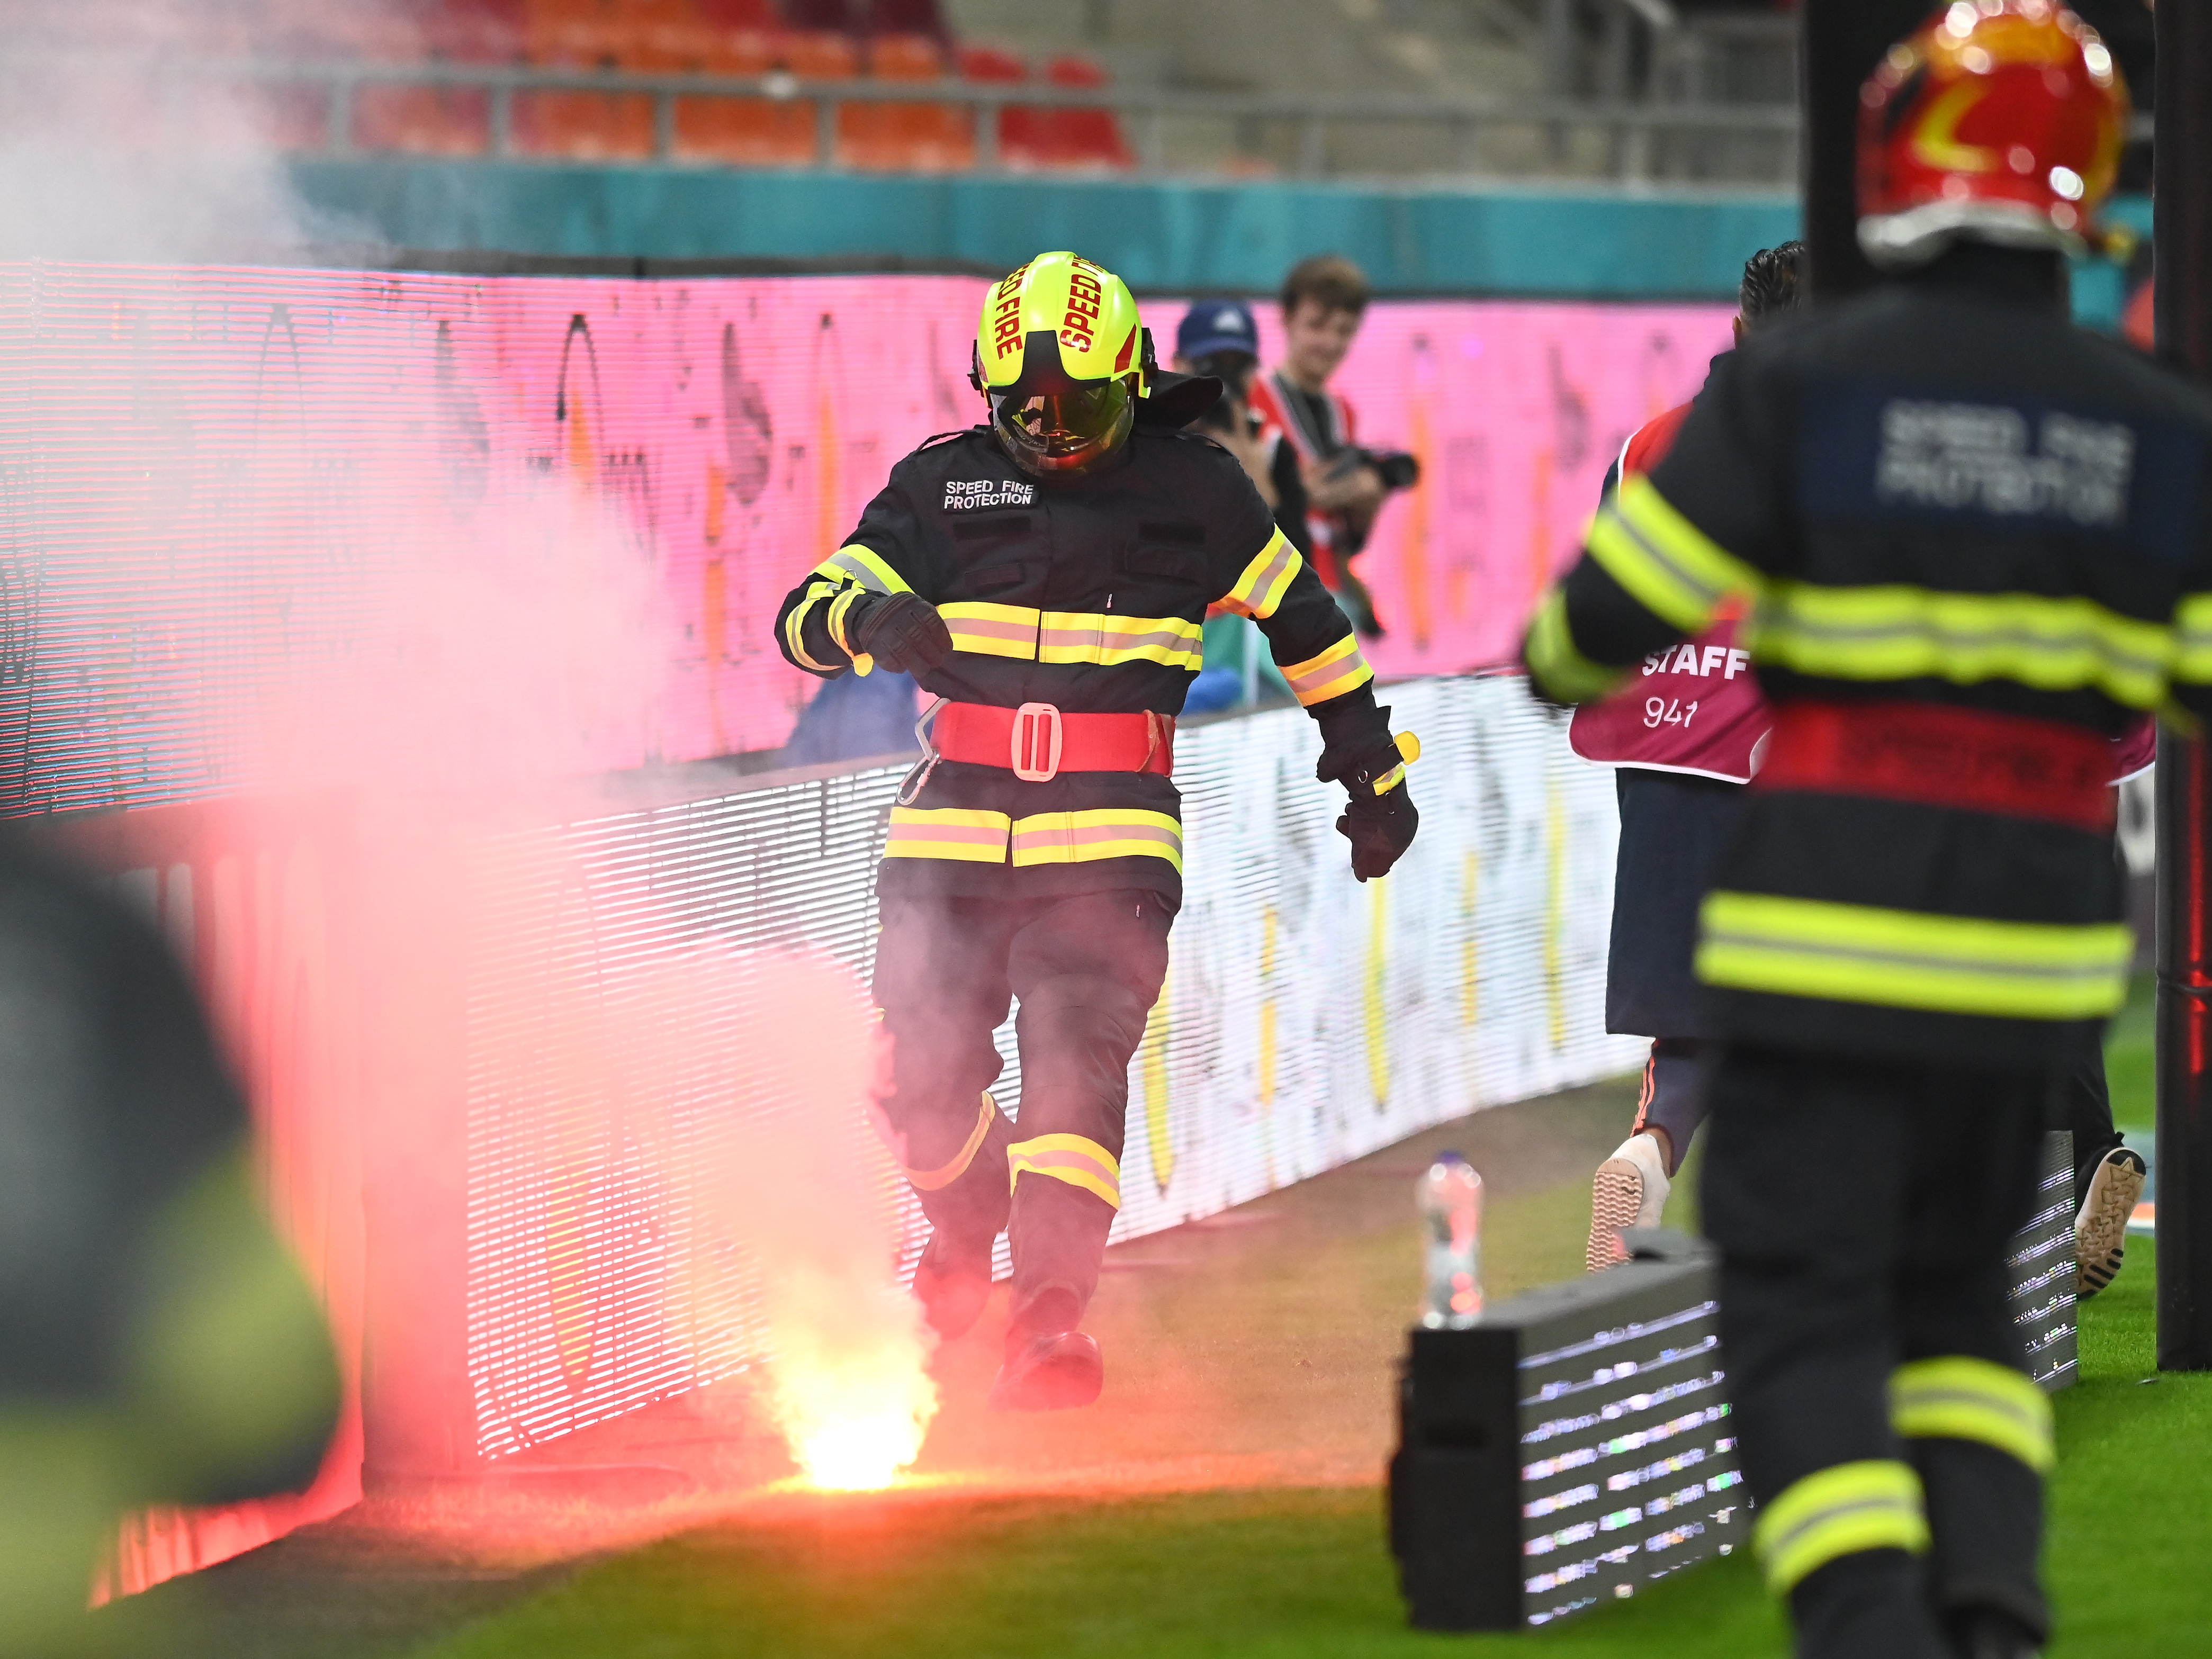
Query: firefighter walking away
1046, 576
1974, 543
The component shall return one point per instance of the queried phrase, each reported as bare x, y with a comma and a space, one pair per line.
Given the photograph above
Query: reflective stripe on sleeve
2192, 630
1839, 1511
1072, 637
794, 626
1956, 1397
1076, 1159
1265, 581
1912, 959
992, 630
1339, 668
840, 608
948, 832
1087, 837
864, 565
1557, 666
1894, 633
1672, 568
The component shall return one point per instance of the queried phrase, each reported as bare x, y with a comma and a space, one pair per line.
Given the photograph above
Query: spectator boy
1324, 300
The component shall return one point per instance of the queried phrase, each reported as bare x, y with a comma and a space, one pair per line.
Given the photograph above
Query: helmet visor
1064, 429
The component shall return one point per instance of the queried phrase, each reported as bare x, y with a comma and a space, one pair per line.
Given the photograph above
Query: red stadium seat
422, 120
745, 131
1069, 137
579, 125
996, 66
931, 137
739, 16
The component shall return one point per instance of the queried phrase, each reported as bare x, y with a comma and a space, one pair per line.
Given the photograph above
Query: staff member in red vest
1685, 735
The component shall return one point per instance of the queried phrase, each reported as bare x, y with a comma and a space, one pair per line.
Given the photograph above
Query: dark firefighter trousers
1888, 1435
1087, 970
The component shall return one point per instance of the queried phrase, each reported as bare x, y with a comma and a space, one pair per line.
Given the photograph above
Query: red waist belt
1936, 755
1037, 741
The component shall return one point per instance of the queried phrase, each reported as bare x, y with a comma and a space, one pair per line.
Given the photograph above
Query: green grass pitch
1290, 1570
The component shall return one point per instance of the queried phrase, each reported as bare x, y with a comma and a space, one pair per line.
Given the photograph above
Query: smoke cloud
809, 1194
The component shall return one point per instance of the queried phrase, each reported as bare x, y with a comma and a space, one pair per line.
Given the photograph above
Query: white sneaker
2100, 1230
1630, 1191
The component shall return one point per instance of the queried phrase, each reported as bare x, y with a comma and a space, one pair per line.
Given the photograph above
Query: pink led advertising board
304, 528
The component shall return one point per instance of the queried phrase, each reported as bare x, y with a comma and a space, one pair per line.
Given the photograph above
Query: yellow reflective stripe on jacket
840, 608
1117, 832
794, 626
1894, 633
948, 832
1839, 1511
1076, 1159
1557, 666
1336, 670
1956, 1397
1668, 565
2192, 643
992, 630
1912, 959
1079, 636
1265, 581
864, 565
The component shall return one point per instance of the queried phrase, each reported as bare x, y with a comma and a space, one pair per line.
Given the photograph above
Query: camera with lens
1397, 469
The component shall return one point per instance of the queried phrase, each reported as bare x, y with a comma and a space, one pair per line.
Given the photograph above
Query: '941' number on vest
1667, 711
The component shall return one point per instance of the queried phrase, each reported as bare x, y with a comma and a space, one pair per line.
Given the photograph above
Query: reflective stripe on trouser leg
1839, 1511
930, 1180
1957, 1398
1076, 1159
940, 981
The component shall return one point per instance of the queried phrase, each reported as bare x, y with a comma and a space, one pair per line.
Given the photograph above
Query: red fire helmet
1999, 121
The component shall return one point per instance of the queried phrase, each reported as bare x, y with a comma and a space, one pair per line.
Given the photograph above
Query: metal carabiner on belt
917, 778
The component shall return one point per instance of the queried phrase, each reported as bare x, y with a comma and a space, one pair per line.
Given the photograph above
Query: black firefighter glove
1358, 751
902, 631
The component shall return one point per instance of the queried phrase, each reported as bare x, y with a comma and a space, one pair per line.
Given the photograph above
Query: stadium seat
930, 137
745, 131
476, 31
739, 16
578, 125
422, 120
996, 66
1065, 138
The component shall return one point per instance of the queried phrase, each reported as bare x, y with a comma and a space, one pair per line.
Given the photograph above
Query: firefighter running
1974, 541
1046, 576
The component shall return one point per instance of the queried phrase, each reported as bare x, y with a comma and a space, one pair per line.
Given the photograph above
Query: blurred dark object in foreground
158, 1345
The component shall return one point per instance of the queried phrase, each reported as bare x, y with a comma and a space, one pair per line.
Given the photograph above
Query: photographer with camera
1218, 339
1324, 299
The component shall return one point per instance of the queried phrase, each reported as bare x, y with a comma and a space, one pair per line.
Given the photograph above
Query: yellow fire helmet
1063, 359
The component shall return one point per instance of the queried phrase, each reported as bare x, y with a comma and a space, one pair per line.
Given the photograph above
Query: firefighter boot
1049, 1365
1986, 1525
952, 1281
1865, 1604
1059, 1234
967, 1202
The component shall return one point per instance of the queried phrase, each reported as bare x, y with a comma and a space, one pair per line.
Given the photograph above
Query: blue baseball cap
1212, 326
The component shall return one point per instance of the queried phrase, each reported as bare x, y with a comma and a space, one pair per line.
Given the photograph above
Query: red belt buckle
1036, 737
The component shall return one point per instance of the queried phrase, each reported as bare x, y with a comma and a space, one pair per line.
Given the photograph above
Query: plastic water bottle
1451, 1224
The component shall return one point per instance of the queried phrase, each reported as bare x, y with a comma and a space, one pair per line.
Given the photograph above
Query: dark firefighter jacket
1089, 594
1941, 493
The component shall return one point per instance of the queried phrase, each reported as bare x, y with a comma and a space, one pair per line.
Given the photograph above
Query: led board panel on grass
1576, 1443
